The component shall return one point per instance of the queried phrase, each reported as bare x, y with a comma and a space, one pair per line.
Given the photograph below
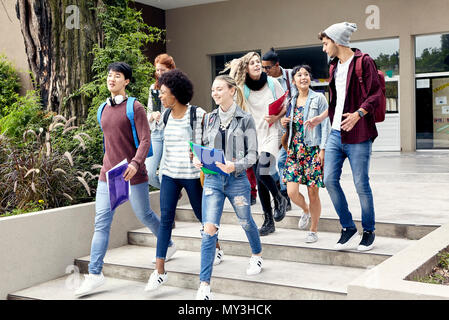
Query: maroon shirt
365, 128
119, 141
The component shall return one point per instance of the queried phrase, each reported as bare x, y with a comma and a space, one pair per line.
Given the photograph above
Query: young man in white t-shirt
353, 131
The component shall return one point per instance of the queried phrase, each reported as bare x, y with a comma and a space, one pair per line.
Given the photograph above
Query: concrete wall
194, 33
12, 43
38, 247
393, 278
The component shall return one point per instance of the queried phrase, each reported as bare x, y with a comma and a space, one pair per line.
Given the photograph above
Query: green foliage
25, 113
37, 170
440, 273
37, 176
125, 35
9, 85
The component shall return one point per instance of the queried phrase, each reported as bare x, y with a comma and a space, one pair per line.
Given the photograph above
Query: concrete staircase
292, 269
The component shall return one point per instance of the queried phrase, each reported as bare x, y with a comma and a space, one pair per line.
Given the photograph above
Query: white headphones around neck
112, 101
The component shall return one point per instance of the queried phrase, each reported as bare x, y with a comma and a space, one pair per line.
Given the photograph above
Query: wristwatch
360, 112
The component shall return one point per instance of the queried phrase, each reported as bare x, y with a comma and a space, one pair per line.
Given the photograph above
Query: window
432, 53
432, 91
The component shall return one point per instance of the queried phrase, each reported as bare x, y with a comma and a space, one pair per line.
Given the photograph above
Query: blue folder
208, 157
117, 186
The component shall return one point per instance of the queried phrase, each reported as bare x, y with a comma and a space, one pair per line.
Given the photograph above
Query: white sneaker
203, 292
218, 256
304, 221
156, 280
90, 283
170, 252
311, 237
255, 265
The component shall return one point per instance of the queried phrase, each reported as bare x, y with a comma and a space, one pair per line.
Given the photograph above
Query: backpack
192, 117
246, 90
379, 112
130, 115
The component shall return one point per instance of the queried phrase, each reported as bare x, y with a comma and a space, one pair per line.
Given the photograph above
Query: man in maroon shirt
119, 145
353, 131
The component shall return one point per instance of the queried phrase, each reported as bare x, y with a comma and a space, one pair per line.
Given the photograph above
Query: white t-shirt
268, 138
341, 77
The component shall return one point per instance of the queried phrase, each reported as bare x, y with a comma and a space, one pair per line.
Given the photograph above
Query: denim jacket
315, 105
241, 138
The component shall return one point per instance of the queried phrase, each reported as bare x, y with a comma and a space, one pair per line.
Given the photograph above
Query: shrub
9, 84
37, 176
25, 113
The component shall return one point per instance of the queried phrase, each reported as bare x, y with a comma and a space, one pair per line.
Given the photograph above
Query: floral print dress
303, 164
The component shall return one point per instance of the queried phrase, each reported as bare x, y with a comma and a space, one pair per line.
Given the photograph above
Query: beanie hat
341, 32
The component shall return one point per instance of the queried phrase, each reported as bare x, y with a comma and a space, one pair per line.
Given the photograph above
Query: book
119, 189
276, 106
208, 157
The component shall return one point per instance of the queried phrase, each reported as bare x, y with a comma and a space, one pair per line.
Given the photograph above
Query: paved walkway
410, 188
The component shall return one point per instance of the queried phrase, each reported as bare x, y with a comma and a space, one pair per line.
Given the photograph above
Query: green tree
125, 35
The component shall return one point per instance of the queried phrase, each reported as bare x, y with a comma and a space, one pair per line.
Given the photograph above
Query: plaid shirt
365, 128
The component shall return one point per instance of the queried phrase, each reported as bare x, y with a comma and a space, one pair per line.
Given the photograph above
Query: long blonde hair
239, 67
240, 100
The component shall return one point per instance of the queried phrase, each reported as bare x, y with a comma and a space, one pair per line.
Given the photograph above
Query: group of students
306, 143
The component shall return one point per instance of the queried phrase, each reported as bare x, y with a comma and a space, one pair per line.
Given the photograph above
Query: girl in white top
163, 63
260, 90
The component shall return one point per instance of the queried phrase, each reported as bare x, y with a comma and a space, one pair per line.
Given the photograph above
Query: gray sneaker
304, 221
311, 237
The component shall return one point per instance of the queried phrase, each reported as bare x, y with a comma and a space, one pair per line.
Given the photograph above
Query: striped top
177, 134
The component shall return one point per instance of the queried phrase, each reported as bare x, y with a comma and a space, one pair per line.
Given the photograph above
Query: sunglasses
267, 67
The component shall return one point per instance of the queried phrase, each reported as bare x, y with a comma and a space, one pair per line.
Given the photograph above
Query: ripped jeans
238, 190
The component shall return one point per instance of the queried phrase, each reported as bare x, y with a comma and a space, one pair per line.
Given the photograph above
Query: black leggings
265, 181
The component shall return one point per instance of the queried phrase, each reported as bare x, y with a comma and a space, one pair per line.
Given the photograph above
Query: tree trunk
59, 35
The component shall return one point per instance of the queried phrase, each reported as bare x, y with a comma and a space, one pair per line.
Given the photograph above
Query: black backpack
192, 116
192, 119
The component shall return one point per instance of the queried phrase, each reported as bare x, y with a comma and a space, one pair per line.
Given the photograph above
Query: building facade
409, 40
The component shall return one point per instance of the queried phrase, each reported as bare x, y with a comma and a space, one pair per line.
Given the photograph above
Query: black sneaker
367, 242
348, 235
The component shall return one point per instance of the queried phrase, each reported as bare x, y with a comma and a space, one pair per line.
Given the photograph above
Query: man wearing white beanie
353, 131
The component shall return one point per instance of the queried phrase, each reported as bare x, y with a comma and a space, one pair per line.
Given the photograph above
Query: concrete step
328, 222
114, 289
278, 279
283, 244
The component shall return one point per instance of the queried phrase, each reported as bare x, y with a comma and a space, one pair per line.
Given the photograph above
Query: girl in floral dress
305, 153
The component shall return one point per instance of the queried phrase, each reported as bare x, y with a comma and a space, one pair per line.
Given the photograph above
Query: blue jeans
359, 155
140, 203
238, 191
170, 190
282, 157
153, 162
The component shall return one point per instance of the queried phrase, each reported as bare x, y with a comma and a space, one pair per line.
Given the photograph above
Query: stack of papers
208, 157
119, 189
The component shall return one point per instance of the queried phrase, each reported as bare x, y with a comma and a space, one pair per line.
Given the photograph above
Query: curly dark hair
179, 84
